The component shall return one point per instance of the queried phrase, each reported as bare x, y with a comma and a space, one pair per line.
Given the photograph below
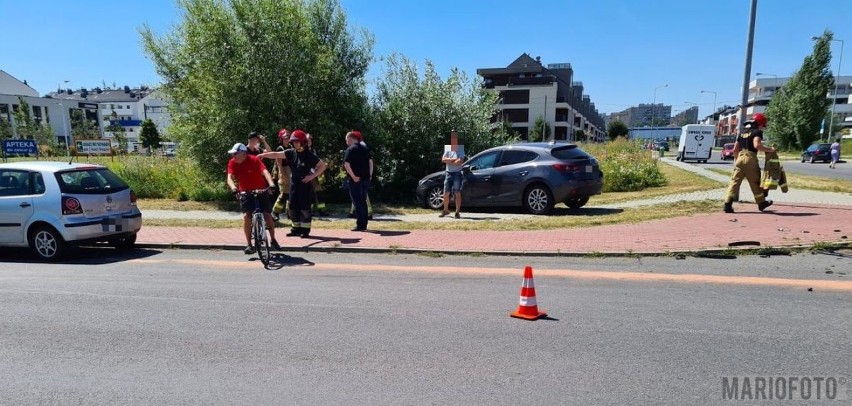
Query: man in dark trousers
356, 161
305, 166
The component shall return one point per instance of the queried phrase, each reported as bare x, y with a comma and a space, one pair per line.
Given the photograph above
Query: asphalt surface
842, 171
213, 327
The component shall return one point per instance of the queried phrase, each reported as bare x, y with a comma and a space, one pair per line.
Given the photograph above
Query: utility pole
747, 70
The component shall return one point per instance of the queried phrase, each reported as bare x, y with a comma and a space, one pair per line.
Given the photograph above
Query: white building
44, 110
761, 91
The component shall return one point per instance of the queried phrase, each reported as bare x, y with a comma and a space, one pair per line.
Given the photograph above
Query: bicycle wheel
261, 243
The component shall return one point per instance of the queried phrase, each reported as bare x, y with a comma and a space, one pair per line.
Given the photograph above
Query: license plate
589, 168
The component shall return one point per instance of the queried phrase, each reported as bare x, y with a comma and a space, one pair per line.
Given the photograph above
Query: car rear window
569, 152
90, 181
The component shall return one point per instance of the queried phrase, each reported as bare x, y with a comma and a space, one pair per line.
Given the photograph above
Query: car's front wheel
812, 160
435, 198
123, 243
47, 243
538, 199
576, 203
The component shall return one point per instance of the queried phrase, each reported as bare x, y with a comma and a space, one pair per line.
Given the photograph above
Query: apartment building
44, 110
761, 91
528, 91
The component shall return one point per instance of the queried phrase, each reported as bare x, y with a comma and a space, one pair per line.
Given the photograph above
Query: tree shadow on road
80, 255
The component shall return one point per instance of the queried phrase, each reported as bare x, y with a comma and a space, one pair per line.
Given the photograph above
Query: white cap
238, 147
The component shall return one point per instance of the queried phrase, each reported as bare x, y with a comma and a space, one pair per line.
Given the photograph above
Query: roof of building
523, 64
104, 96
22, 83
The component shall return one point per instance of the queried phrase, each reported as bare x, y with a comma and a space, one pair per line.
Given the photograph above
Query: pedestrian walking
835, 153
746, 167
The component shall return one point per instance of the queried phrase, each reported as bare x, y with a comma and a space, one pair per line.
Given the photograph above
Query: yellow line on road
817, 284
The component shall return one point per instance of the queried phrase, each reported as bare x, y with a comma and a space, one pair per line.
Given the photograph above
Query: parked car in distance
662, 145
169, 152
49, 205
817, 152
534, 176
728, 151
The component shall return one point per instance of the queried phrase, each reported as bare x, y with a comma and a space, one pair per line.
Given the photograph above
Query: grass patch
677, 181
797, 181
564, 218
430, 254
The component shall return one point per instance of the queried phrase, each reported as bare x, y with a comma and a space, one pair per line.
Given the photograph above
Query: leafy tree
25, 126
5, 129
414, 114
579, 135
616, 129
797, 109
237, 66
149, 135
536, 131
81, 128
119, 134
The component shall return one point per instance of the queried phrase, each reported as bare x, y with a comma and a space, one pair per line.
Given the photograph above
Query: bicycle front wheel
261, 243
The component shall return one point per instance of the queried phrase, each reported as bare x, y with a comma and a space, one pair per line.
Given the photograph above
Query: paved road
189, 327
843, 170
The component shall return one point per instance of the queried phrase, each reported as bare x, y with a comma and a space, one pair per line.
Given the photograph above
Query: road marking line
817, 284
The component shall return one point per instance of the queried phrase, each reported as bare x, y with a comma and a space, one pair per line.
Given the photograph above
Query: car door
479, 186
511, 175
16, 205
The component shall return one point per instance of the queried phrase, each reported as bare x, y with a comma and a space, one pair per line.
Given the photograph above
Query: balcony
126, 123
530, 81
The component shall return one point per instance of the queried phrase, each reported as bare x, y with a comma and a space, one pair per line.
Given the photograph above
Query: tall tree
25, 126
616, 129
149, 135
242, 65
579, 135
414, 114
797, 109
5, 129
82, 128
540, 130
119, 134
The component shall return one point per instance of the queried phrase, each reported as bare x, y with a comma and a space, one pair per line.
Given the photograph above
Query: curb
717, 253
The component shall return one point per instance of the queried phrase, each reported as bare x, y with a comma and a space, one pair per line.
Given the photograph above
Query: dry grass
562, 218
797, 181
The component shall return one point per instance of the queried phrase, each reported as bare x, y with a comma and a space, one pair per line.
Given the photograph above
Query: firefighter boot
762, 206
729, 207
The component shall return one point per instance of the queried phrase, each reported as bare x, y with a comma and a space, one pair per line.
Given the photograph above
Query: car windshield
89, 181
569, 152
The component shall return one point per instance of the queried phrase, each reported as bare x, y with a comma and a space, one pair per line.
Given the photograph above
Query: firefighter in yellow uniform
746, 167
282, 173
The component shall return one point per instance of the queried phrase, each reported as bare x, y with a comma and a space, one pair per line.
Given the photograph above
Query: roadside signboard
93, 147
20, 147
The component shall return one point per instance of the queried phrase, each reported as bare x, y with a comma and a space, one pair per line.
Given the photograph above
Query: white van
696, 142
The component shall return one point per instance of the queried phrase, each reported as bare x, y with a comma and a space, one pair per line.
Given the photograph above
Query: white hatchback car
48, 205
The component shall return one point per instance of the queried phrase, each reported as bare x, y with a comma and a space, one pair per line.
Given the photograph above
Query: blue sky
620, 49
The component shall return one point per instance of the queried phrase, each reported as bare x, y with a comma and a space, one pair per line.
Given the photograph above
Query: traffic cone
528, 307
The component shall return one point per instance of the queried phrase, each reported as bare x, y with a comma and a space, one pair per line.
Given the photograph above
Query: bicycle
258, 228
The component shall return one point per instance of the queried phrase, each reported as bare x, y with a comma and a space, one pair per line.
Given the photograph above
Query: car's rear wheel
576, 203
47, 243
123, 243
538, 199
435, 198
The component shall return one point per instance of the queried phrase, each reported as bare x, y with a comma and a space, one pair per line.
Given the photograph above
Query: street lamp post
713, 113
653, 108
834, 96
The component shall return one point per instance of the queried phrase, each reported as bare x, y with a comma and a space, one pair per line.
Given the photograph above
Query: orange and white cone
528, 307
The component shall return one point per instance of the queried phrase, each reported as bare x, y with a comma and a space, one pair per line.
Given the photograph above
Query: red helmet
298, 135
358, 135
282, 135
760, 119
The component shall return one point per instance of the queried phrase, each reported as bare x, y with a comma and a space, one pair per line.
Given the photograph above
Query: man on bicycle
247, 173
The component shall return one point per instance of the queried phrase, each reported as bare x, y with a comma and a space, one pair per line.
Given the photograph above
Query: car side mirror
469, 168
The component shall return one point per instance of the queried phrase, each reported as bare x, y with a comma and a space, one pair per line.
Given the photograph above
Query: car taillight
70, 205
132, 198
567, 167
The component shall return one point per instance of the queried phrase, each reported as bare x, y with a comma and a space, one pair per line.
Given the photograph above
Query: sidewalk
798, 218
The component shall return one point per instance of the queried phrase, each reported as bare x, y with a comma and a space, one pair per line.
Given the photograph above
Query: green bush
154, 177
627, 167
